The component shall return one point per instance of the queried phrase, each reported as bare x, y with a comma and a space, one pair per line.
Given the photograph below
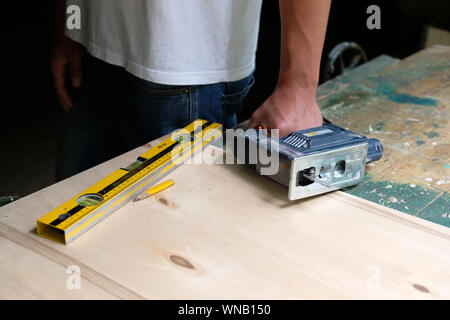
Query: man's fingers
64, 98
251, 123
59, 69
75, 64
254, 120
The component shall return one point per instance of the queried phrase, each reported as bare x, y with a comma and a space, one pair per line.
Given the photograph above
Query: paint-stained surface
406, 105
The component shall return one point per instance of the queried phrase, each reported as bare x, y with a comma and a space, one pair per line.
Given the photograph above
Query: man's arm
66, 56
293, 106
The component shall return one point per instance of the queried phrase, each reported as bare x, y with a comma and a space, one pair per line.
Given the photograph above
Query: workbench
406, 105
224, 232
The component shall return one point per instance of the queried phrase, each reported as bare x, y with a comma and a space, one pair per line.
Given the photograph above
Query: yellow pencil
155, 190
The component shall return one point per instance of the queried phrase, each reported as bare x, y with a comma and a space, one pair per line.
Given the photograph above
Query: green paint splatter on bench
389, 91
413, 199
408, 198
431, 134
437, 126
420, 142
438, 211
380, 126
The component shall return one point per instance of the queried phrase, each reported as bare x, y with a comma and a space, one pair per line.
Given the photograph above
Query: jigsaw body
315, 160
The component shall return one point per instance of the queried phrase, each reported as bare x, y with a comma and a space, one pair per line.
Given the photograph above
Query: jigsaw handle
374, 150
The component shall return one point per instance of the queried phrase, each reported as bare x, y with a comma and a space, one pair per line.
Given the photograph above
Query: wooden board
223, 231
26, 273
406, 105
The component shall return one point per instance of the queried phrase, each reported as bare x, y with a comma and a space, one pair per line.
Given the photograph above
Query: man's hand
67, 56
292, 106
289, 110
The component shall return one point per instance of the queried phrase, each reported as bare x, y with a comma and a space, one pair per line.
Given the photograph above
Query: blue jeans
115, 112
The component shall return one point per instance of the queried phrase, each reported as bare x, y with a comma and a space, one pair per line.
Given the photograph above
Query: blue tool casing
315, 160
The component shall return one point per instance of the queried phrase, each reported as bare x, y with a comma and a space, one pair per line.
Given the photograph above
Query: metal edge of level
154, 176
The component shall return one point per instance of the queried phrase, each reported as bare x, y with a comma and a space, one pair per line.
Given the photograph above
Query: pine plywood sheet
25, 274
223, 231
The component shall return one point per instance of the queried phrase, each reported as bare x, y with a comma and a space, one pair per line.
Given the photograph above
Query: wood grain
95, 281
223, 231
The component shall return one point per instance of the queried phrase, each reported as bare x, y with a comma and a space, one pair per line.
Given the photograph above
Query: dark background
31, 115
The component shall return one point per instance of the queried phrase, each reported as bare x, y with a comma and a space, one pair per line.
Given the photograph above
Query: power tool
310, 162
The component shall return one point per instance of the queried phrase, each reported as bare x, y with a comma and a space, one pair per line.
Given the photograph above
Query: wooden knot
182, 262
164, 201
421, 288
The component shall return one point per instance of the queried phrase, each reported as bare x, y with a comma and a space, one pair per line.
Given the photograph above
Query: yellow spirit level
82, 212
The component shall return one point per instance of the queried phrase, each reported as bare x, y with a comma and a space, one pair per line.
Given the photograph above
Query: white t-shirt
172, 41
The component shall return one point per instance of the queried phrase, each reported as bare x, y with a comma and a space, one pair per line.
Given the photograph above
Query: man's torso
172, 41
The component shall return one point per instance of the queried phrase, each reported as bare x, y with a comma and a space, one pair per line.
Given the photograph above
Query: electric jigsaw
311, 161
